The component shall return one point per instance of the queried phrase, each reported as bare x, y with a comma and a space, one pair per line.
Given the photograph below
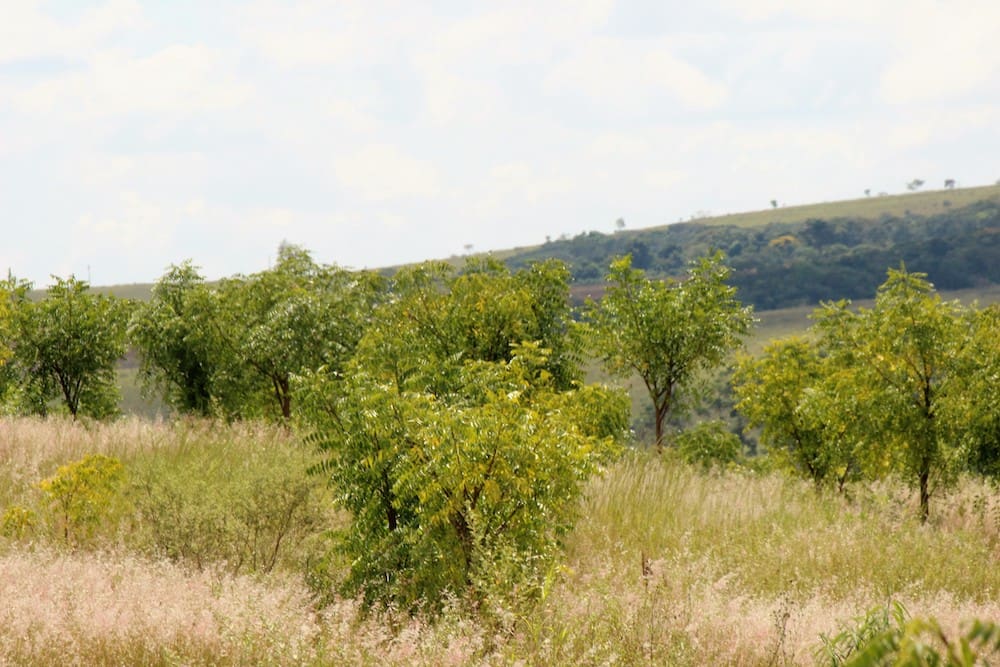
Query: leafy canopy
460, 451
667, 332
66, 346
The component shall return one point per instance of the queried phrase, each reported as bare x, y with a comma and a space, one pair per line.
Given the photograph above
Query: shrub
82, 492
17, 521
709, 444
886, 635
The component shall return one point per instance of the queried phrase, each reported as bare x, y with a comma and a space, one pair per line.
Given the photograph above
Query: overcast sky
134, 135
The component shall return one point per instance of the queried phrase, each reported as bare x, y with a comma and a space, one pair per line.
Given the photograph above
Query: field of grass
668, 564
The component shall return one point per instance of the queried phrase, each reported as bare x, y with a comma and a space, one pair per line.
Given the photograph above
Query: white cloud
309, 33
512, 186
450, 98
629, 74
817, 10
179, 79
944, 50
28, 32
380, 172
135, 227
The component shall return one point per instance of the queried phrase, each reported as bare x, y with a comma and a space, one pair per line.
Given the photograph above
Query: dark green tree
172, 333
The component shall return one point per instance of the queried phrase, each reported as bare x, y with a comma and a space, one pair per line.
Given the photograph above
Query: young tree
667, 332
794, 392
67, 345
459, 450
905, 357
293, 317
980, 409
8, 302
172, 334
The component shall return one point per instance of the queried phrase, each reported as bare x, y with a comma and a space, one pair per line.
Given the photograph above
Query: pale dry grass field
668, 565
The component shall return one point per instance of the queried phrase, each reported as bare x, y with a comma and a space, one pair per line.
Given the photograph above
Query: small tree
81, 492
792, 391
980, 409
67, 345
464, 494
667, 332
172, 335
293, 317
459, 435
905, 357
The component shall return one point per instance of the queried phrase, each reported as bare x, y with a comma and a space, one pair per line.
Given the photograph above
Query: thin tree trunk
925, 495
661, 414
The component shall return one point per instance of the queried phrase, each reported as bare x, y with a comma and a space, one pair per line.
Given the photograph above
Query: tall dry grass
667, 565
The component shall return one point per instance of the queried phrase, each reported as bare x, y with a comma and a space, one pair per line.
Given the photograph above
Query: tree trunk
391, 516
465, 540
661, 415
925, 495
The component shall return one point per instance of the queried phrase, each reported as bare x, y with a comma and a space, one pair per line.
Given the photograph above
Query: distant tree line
789, 264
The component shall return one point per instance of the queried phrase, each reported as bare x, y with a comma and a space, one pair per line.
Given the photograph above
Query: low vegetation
415, 470
675, 564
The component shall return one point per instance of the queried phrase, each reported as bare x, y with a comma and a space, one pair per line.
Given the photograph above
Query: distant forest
780, 265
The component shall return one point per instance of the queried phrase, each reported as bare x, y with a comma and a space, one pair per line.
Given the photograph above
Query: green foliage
12, 294
888, 636
248, 508
667, 332
903, 358
293, 317
907, 386
710, 444
845, 646
81, 493
67, 345
459, 449
799, 397
232, 349
441, 487
173, 337
980, 367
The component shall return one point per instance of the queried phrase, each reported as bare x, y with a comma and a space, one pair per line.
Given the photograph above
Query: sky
138, 134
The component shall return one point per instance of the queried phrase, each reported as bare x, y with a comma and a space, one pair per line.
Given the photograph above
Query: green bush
81, 494
709, 444
17, 522
888, 636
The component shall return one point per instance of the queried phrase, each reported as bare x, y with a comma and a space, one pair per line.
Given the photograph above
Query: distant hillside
784, 257
796, 255
874, 207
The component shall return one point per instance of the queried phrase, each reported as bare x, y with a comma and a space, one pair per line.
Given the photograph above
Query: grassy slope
916, 203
